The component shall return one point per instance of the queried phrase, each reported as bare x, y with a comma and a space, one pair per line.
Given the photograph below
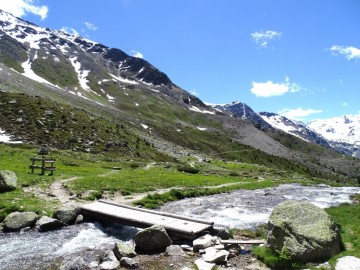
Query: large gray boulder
304, 231
19, 220
67, 215
8, 180
152, 239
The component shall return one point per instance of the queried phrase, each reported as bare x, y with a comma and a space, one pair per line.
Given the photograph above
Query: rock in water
67, 214
152, 239
8, 181
304, 231
45, 224
19, 220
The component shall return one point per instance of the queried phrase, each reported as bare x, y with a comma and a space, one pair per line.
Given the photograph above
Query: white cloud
349, 51
137, 54
262, 38
70, 31
270, 89
20, 8
345, 104
298, 113
91, 26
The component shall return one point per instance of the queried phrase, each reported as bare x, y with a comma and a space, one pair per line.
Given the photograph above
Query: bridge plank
132, 216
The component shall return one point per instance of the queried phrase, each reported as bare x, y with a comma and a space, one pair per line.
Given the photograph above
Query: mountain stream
238, 209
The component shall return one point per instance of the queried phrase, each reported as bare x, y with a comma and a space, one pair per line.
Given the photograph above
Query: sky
297, 58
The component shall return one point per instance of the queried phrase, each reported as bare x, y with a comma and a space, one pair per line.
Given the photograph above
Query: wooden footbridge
138, 217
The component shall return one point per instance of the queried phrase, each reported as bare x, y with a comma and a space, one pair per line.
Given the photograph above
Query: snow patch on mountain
20, 31
345, 129
6, 138
82, 74
120, 79
196, 109
28, 72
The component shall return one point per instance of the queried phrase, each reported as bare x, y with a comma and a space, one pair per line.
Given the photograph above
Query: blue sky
297, 58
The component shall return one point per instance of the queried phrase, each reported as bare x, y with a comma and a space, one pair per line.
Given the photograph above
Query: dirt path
58, 190
117, 197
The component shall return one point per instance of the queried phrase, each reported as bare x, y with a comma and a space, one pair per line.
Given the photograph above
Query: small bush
135, 165
188, 169
235, 174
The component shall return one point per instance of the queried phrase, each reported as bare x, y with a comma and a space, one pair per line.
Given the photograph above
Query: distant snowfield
339, 129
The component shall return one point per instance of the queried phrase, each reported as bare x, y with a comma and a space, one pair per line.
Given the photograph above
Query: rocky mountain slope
341, 133
295, 128
68, 92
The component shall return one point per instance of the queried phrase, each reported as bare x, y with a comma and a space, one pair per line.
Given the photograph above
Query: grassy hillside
88, 176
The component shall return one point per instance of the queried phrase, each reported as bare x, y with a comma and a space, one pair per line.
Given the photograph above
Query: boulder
67, 215
234, 250
174, 251
204, 242
304, 231
45, 224
19, 220
213, 255
347, 263
221, 232
8, 181
128, 263
124, 249
152, 239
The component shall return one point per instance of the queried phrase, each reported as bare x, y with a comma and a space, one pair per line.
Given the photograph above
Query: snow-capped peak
344, 128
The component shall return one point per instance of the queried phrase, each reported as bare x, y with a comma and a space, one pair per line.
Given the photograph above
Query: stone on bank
8, 180
19, 220
304, 231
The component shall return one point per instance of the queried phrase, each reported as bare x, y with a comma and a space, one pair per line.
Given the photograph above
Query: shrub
188, 169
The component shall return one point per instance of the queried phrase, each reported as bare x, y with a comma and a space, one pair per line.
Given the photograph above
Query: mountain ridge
339, 133
137, 106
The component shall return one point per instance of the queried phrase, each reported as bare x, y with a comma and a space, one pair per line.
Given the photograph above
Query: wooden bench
44, 167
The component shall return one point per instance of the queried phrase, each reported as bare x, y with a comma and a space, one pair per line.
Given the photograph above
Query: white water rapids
246, 209
238, 209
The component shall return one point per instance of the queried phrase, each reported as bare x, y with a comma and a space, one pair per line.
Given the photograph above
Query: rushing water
43, 250
246, 209
238, 209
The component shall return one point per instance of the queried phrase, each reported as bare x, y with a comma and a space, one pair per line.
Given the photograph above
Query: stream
246, 209
45, 250
238, 209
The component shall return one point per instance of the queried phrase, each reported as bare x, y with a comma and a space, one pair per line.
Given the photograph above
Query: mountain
68, 92
80, 66
244, 112
295, 128
343, 133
